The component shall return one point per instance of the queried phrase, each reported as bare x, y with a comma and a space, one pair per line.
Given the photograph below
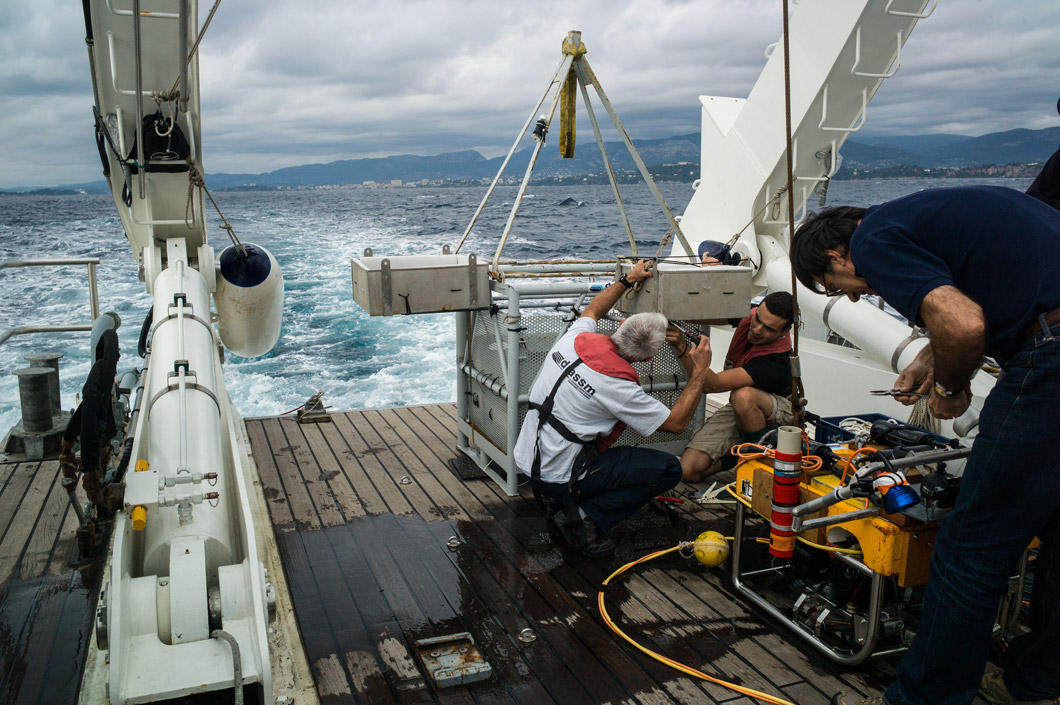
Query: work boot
584, 535
597, 544
842, 698
994, 690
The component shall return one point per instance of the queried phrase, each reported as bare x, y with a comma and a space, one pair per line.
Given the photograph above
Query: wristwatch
624, 281
942, 391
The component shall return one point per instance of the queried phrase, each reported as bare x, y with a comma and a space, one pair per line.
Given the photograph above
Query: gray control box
686, 292
387, 286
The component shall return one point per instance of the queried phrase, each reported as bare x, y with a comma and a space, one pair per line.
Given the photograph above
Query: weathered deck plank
364, 507
46, 604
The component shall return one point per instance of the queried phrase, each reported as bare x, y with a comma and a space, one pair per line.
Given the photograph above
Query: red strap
741, 350
601, 355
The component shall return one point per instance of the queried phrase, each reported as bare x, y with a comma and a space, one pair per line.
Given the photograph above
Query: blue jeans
620, 482
1010, 494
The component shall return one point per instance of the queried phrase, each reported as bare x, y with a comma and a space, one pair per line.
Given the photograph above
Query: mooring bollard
34, 392
49, 361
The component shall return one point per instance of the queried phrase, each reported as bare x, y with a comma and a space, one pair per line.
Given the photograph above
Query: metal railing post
514, 320
93, 295
93, 292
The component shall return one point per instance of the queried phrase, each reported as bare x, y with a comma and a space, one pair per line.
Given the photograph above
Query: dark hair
829, 229
780, 304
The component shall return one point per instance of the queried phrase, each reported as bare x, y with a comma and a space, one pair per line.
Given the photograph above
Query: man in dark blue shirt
979, 267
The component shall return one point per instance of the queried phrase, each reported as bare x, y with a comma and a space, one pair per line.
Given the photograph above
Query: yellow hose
687, 670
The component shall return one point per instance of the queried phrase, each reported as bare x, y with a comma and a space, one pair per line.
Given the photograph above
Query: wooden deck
46, 604
363, 508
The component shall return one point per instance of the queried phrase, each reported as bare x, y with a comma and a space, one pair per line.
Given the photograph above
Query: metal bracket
472, 286
446, 250
368, 252
177, 364
384, 281
182, 297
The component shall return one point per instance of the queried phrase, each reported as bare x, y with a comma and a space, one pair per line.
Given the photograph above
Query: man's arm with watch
607, 298
957, 330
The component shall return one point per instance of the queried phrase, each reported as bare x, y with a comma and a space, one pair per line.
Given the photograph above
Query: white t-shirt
588, 403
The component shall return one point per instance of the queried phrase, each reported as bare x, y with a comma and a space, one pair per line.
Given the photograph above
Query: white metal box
386, 286
685, 292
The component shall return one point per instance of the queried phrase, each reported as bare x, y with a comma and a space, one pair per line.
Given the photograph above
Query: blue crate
828, 431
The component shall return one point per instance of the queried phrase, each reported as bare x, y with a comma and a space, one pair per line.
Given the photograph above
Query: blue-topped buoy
249, 299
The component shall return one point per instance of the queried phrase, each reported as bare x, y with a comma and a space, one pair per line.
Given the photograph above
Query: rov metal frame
93, 295
844, 658
564, 296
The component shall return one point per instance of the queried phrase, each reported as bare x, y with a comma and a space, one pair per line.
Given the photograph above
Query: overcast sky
287, 83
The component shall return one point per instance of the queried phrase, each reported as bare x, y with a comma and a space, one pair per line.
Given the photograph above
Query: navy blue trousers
1010, 494
620, 482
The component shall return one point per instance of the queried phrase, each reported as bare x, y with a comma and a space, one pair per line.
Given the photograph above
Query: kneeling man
757, 376
586, 393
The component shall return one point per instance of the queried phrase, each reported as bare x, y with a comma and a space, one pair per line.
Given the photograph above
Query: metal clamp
897, 354
186, 316
174, 386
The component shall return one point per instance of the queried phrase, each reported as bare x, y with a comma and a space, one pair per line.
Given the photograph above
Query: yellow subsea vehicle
849, 552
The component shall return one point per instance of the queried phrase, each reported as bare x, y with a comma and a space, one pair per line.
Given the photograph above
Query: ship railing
93, 295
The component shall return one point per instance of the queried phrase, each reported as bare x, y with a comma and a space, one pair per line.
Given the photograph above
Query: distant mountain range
866, 154
935, 151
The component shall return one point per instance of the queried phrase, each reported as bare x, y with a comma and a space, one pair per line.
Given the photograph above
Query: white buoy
249, 300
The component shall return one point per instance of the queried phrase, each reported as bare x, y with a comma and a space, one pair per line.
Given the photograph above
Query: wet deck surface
46, 604
363, 508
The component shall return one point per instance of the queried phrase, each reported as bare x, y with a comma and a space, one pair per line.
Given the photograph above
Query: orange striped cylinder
787, 473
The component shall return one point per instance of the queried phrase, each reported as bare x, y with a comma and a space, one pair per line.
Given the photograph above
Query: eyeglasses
828, 291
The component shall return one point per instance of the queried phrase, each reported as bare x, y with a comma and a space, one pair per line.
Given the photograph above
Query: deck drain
405, 480
527, 635
453, 543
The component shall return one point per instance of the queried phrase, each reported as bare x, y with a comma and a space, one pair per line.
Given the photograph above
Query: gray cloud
289, 83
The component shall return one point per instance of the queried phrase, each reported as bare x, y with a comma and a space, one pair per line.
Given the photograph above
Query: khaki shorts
719, 433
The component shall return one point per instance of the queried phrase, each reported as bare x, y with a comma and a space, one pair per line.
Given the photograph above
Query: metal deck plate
453, 659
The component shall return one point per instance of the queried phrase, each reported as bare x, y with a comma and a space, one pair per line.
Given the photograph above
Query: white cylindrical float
185, 336
249, 300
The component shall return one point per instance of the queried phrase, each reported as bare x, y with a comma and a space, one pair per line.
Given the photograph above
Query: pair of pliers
712, 495
896, 393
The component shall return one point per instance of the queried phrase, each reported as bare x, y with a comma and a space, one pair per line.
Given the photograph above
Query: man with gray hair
586, 393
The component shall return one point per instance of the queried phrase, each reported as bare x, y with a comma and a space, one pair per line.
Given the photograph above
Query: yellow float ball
711, 549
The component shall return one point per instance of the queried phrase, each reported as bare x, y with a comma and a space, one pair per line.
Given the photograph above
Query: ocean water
327, 343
